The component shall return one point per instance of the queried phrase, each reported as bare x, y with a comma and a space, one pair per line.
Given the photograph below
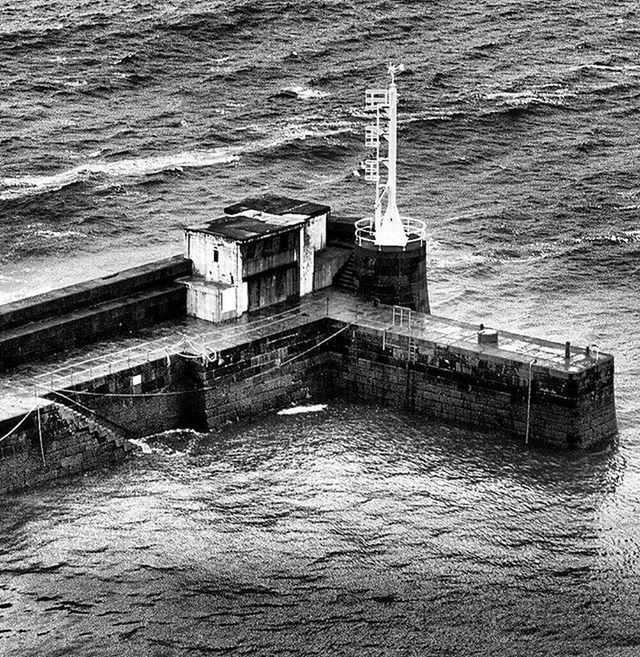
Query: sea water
353, 530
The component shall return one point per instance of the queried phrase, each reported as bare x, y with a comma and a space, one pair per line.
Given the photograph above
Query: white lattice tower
387, 225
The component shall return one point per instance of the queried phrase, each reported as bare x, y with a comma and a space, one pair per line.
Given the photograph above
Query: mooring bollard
488, 336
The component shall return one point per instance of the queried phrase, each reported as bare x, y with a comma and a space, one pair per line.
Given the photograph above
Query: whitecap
23, 186
142, 445
304, 92
523, 98
28, 185
314, 408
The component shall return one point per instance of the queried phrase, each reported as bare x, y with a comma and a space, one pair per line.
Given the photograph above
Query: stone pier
192, 374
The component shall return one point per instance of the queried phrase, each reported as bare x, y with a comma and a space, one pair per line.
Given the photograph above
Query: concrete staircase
83, 422
344, 278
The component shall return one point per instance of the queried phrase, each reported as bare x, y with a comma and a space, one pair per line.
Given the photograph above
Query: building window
215, 255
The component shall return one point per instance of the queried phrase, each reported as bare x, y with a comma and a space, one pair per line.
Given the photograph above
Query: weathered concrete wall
57, 334
341, 230
466, 387
80, 314
269, 373
89, 293
71, 443
327, 264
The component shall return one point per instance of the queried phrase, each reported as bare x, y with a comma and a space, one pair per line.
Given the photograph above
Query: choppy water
352, 531
120, 122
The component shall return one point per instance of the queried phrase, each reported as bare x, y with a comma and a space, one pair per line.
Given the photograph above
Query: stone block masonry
266, 374
474, 387
145, 399
237, 383
570, 406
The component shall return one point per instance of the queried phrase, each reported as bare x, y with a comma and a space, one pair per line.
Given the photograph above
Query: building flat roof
255, 218
250, 225
273, 204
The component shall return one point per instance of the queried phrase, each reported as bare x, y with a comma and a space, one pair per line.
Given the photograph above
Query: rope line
19, 424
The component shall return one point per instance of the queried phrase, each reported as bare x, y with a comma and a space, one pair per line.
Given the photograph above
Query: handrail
415, 229
141, 352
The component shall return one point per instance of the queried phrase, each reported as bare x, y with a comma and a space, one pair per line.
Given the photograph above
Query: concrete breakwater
332, 346
79, 314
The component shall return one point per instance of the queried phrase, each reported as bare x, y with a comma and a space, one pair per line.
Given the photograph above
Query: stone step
101, 434
344, 278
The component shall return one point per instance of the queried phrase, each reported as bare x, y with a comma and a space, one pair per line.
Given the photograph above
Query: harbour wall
323, 359
142, 400
478, 388
238, 383
79, 314
269, 373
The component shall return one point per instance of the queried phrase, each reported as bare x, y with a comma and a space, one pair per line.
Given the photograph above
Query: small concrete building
261, 252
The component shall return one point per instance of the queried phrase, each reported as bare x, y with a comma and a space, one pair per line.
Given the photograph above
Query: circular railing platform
415, 229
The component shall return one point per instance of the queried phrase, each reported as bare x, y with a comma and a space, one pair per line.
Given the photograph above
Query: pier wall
237, 383
267, 374
79, 314
322, 359
464, 386
71, 444
145, 399
451, 383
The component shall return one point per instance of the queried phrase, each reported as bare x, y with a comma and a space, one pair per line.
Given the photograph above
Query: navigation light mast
387, 225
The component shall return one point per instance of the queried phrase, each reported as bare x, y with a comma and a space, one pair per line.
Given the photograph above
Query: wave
301, 92
297, 410
511, 100
612, 237
20, 187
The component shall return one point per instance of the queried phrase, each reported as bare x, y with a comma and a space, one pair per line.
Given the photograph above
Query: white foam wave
57, 234
314, 408
19, 187
305, 93
28, 185
141, 444
524, 98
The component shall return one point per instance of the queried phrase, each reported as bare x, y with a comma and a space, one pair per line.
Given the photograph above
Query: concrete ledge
88, 293
81, 326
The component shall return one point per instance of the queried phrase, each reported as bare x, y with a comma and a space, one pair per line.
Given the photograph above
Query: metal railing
401, 316
211, 340
415, 229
